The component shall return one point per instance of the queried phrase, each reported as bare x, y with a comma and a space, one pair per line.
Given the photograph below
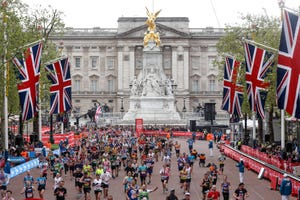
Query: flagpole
282, 130
5, 78
291, 9
228, 55
55, 60
40, 116
257, 43
254, 127
32, 43
281, 6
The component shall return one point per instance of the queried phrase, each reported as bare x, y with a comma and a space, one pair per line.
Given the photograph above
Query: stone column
186, 68
174, 64
132, 63
120, 68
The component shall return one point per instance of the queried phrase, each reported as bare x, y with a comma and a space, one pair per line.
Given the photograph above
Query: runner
132, 191
164, 177
97, 187
221, 159
150, 164
4, 181
105, 177
77, 175
60, 192
144, 192
213, 194
41, 181
28, 189
205, 184
225, 186
177, 149
143, 173
8, 195
202, 159
57, 180
86, 181
127, 181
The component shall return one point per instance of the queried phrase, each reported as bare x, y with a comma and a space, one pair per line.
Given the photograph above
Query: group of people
100, 156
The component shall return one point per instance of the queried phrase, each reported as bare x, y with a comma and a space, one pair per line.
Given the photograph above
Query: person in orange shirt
177, 149
168, 135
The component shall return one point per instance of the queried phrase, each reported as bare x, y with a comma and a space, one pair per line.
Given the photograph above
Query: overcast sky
201, 13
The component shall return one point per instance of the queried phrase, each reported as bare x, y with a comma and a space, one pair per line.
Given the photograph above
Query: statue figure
168, 86
151, 20
135, 87
151, 33
151, 36
151, 85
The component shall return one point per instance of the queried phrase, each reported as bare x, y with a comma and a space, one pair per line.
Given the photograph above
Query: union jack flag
258, 62
232, 92
29, 75
288, 70
60, 90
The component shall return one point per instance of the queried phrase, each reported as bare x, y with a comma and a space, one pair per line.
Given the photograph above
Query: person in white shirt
167, 160
97, 186
105, 177
57, 179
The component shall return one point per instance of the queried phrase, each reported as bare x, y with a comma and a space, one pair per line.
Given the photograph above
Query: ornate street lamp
173, 85
122, 105
184, 108
281, 3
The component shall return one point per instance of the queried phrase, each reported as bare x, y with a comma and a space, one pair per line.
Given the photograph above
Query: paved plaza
258, 189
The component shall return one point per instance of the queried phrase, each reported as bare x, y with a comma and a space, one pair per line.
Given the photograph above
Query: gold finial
151, 33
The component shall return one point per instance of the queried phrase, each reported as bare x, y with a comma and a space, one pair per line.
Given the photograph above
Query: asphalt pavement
257, 189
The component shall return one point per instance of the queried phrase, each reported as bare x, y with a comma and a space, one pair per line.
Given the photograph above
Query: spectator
210, 147
241, 167
285, 187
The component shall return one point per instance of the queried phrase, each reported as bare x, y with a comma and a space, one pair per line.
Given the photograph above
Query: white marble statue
135, 87
168, 86
151, 86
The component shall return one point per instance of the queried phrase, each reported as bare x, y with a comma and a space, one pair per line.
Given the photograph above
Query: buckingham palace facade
105, 61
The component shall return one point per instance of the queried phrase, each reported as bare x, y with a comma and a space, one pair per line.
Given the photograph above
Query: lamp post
122, 106
51, 139
173, 85
184, 108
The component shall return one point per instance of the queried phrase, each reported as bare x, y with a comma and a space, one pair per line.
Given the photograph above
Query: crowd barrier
19, 169
273, 160
175, 133
14, 171
271, 172
57, 138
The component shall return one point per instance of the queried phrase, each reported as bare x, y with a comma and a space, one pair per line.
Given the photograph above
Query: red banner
139, 126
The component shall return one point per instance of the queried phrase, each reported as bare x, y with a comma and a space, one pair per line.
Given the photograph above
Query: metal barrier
272, 173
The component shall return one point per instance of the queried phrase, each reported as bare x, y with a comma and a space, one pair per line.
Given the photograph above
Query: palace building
105, 61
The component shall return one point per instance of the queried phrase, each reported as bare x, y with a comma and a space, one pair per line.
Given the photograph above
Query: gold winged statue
151, 33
